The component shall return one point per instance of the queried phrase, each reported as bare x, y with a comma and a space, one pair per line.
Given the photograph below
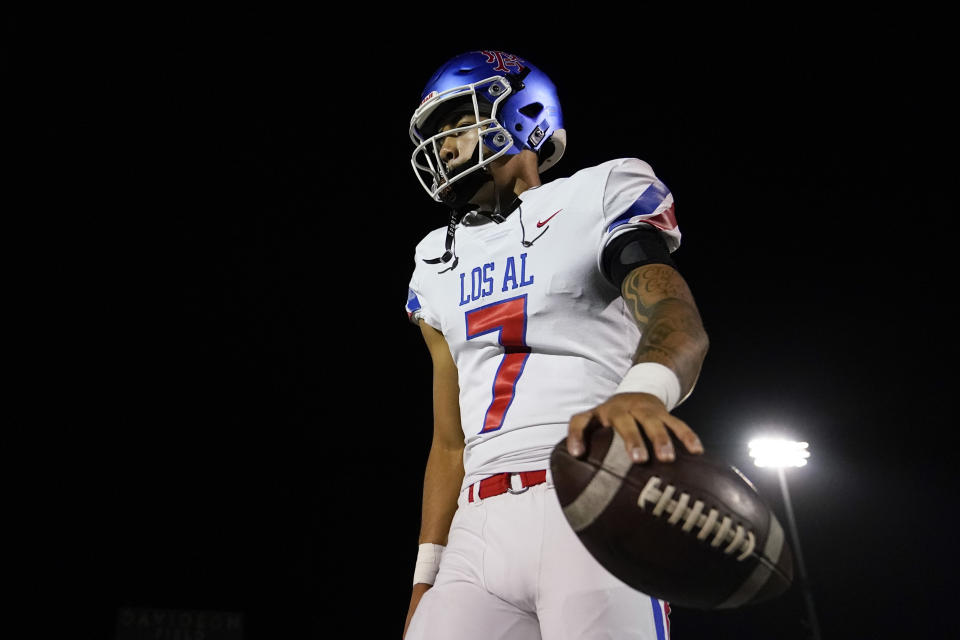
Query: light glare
771, 452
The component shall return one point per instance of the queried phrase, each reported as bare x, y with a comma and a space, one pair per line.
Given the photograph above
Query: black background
232, 412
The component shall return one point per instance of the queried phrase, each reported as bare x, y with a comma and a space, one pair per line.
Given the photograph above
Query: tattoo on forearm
663, 308
636, 306
648, 285
660, 280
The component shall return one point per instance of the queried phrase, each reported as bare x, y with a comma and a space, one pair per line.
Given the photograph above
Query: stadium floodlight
779, 454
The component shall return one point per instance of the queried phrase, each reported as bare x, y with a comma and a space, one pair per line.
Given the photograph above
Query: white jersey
536, 331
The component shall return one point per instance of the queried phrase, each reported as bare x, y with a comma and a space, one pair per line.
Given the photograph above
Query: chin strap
456, 217
450, 250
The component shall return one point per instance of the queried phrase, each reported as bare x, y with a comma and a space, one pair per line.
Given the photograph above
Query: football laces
711, 523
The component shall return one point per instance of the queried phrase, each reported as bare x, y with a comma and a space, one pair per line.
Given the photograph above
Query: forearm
672, 331
441, 482
675, 338
441, 487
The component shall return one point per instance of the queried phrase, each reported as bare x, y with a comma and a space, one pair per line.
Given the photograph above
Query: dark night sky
223, 218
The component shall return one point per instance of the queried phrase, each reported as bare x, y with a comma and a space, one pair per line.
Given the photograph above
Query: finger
602, 415
686, 435
578, 423
626, 426
659, 437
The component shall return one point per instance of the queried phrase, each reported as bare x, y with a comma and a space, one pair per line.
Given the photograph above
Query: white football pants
513, 569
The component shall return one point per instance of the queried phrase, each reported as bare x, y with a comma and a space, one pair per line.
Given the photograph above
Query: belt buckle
510, 488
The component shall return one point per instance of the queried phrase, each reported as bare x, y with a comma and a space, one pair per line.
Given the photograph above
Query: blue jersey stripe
658, 619
652, 198
413, 303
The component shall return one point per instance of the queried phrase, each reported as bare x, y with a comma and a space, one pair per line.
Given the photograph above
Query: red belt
500, 483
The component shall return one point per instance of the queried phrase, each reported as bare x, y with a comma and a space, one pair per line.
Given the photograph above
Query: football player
545, 306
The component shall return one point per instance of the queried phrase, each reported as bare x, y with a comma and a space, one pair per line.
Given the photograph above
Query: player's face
457, 148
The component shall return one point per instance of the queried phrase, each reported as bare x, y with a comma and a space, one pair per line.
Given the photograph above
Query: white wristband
428, 563
652, 378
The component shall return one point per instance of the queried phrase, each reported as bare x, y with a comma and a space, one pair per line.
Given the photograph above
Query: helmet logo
428, 96
503, 60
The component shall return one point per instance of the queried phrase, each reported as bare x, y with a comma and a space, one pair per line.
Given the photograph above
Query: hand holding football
693, 532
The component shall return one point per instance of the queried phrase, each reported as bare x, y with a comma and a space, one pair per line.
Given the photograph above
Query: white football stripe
761, 574
602, 487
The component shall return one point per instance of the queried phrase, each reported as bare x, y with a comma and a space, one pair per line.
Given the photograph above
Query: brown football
693, 532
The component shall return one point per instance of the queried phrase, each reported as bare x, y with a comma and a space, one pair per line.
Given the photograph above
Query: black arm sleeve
634, 249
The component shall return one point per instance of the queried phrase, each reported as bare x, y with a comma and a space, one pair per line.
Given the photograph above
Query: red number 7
509, 319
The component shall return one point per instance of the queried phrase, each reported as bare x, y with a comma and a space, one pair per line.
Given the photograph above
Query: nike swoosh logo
540, 223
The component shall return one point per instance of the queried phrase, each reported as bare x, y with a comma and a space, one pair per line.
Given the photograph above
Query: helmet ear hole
531, 110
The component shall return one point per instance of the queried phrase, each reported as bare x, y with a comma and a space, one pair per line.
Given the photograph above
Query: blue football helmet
515, 107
